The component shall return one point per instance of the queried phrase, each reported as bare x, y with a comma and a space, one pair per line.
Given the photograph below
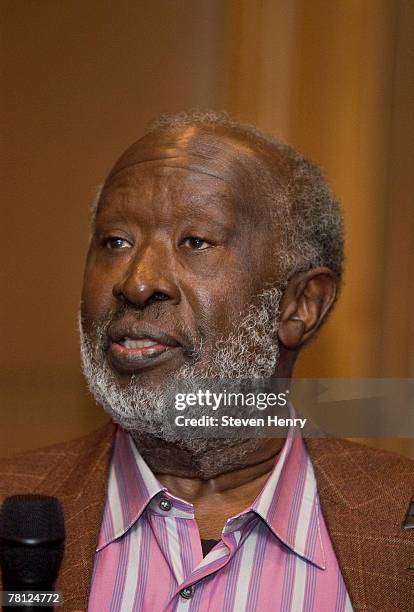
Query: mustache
191, 341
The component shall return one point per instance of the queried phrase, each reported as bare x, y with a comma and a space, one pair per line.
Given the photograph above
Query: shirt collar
288, 503
131, 487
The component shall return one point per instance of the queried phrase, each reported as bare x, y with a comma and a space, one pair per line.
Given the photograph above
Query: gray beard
250, 351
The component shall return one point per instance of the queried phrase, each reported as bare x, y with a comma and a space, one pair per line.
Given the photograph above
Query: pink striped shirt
276, 555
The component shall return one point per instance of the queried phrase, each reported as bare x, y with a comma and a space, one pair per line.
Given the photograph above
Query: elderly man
216, 253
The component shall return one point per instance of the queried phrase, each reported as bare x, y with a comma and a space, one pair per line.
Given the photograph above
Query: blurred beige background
79, 81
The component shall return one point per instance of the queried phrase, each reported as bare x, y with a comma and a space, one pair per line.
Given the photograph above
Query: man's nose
149, 279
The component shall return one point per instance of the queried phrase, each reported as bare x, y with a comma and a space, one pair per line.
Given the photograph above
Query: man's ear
305, 304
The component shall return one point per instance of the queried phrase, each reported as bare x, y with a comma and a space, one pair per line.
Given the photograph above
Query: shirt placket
213, 562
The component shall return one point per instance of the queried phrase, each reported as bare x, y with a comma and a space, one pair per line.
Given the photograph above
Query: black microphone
32, 535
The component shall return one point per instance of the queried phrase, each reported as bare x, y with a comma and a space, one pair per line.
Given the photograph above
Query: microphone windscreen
31, 539
31, 517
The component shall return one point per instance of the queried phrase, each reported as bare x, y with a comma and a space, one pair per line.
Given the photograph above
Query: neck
241, 479
215, 494
219, 460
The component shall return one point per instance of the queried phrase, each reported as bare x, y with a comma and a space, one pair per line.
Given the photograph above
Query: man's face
179, 286
181, 247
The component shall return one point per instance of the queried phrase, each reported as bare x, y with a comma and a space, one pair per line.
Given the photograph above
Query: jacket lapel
79, 482
364, 495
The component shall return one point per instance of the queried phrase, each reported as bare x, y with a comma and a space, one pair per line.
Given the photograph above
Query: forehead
191, 168
218, 154
160, 190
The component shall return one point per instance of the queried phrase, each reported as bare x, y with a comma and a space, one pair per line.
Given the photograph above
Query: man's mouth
131, 350
142, 348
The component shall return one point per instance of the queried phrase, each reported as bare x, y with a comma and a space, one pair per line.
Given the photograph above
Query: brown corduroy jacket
364, 493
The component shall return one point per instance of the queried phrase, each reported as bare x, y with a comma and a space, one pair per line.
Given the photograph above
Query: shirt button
187, 593
165, 504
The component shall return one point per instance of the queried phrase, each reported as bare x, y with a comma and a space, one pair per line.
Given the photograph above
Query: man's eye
117, 243
196, 244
